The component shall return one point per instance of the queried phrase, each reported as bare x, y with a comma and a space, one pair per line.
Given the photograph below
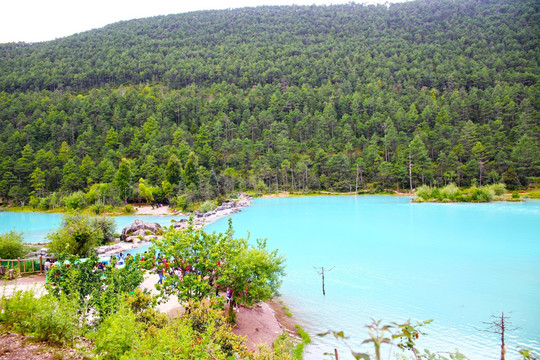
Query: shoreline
199, 222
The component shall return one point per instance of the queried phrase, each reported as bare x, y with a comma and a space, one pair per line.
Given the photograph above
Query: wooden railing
22, 266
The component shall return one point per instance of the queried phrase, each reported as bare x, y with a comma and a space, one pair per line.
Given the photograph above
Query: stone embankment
140, 231
223, 210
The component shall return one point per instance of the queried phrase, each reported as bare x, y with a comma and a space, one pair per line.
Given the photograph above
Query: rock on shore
141, 229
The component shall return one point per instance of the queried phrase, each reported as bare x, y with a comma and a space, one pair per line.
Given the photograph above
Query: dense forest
298, 98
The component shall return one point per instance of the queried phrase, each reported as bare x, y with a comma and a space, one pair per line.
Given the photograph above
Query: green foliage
57, 321
284, 348
118, 333
535, 194
75, 201
98, 292
483, 194
528, 354
324, 107
424, 192
252, 272
207, 206
498, 189
18, 309
147, 192
299, 349
11, 245
207, 316
46, 318
511, 179
200, 334
142, 305
383, 334
80, 234
452, 193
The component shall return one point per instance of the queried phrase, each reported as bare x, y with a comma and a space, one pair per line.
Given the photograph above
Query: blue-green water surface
35, 226
395, 260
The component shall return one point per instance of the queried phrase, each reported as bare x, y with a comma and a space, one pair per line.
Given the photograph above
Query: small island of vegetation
451, 193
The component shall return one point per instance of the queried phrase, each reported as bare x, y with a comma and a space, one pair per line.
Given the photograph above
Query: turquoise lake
393, 260
36, 226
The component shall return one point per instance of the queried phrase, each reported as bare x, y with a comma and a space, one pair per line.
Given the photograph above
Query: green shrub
57, 320
176, 338
107, 226
261, 187
129, 209
436, 194
46, 318
34, 202
16, 311
206, 317
213, 339
299, 350
207, 206
141, 303
44, 203
284, 348
78, 235
482, 195
423, 192
179, 202
11, 245
498, 189
75, 201
450, 192
118, 333
515, 195
97, 208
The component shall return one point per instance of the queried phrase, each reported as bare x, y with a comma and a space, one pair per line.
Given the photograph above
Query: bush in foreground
45, 318
11, 245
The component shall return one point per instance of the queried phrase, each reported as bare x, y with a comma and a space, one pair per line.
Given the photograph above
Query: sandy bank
148, 210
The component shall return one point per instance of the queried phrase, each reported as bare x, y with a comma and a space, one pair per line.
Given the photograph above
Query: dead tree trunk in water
321, 272
500, 326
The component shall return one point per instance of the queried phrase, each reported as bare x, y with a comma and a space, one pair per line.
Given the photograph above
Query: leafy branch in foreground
406, 334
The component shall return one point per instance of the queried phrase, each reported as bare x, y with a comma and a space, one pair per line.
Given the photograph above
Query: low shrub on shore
451, 193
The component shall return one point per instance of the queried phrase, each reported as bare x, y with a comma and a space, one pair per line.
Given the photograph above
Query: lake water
394, 260
36, 226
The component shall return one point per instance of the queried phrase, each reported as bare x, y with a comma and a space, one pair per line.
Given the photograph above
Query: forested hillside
283, 98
